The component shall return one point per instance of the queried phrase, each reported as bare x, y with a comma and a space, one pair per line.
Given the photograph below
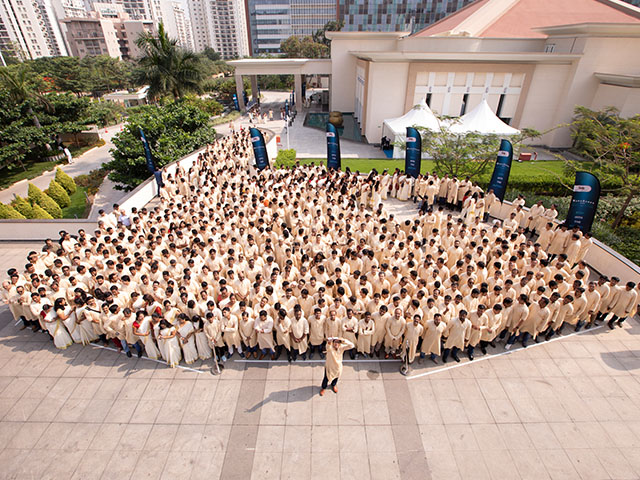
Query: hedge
65, 181
286, 158
92, 181
8, 212
22, 206
38, 197
50, 206
34, 194
59, 194
39, 212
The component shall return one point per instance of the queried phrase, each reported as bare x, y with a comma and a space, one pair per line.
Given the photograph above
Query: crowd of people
273, 263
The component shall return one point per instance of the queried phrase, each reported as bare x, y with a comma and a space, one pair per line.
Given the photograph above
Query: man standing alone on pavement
333, 365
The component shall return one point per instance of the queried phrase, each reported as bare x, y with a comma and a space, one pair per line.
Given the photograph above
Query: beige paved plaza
565, 409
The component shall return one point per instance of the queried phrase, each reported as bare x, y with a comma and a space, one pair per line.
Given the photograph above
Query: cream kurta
283, 332
395, 330
316, 330
431, 342
412, 336
625, 303
536, 319
365, 334
300, 330
333, 364
457, 333
265, 333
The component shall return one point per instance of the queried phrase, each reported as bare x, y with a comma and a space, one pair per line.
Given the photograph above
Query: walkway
90, 160
308, 142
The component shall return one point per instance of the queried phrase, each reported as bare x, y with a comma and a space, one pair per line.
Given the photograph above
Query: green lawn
79, 207
33, 170
233, 115
549, 169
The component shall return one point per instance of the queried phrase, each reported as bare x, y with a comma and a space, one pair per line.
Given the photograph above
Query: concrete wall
343, 68
545, 93
386, 90
600, 54
625, 99
30, 230
470, 44
84, 138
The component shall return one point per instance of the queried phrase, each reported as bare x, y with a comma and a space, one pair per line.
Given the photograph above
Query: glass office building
272, 21
394, 15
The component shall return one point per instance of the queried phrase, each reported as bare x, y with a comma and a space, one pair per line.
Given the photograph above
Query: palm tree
165, 67
21, 91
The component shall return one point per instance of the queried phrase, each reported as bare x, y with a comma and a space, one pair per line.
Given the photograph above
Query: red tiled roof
525, 15
451, 21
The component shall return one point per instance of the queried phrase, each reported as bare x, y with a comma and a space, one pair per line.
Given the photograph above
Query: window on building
428, 100
463, 107
549, 48
506, 120
500, 104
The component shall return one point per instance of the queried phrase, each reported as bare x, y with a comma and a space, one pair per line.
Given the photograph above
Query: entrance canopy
482, 120
298, 67
419, 116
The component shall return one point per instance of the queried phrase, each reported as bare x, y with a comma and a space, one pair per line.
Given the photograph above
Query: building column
254, 88
240, 91
298, 95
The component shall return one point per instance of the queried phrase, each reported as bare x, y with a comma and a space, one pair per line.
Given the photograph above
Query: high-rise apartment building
176, 23
168, 12
221, 25
387, 16
183, 26
31, 27
108, 30
272, 21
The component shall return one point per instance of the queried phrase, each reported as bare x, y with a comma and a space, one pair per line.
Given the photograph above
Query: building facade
388, 16
533, 69
30, 27
108, 30
182, 26
221, 25
272, 21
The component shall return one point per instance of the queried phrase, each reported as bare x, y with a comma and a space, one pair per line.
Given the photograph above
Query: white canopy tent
420, 115
482, 120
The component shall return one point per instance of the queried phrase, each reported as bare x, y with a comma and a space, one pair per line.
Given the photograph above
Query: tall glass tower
272, 21
394, 15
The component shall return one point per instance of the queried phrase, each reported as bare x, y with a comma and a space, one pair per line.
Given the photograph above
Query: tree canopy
167, 68
305, 47
332, 26
30, 119
465, 155
172, 131
96, 75
611, 143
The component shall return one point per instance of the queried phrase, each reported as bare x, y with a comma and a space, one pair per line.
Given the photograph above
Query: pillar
298, 87
254, 88
239, 91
